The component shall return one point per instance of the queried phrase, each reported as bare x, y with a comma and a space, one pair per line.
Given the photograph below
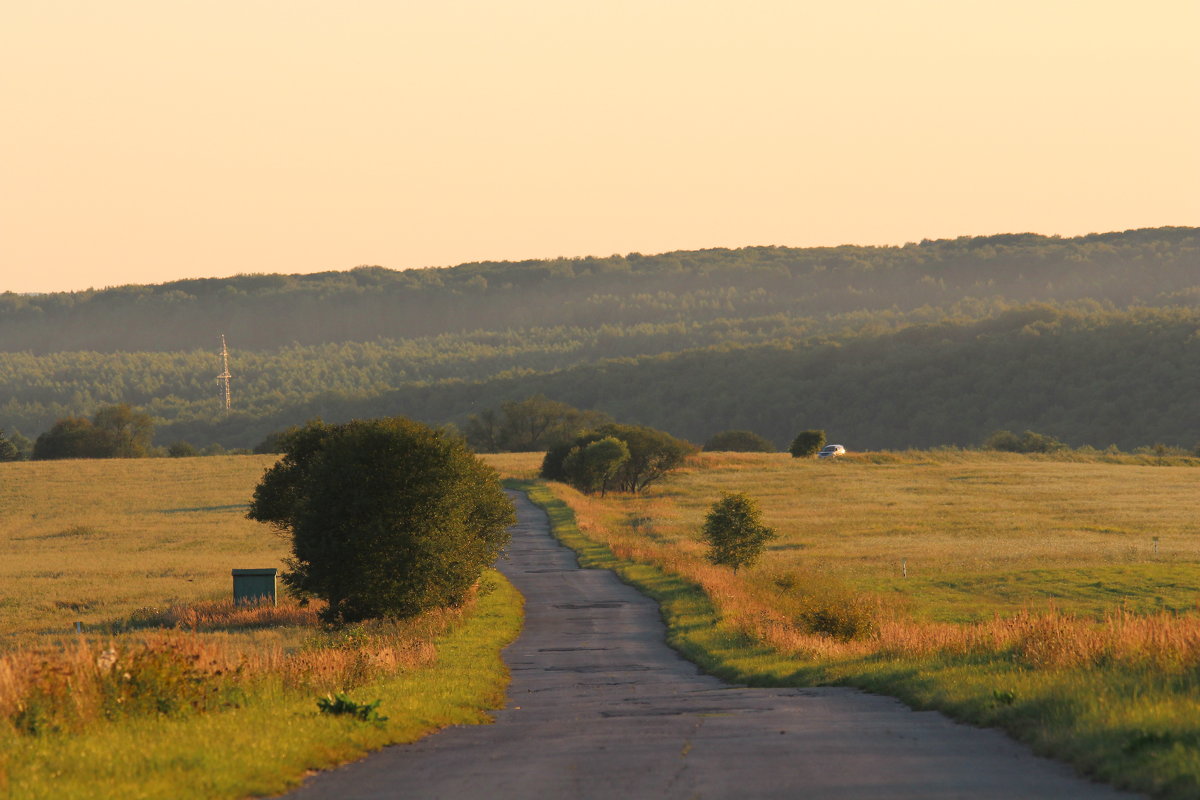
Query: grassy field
95, 541
171, 690
1035, 599
977, 533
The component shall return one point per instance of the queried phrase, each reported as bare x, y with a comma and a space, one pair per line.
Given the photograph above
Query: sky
144, 141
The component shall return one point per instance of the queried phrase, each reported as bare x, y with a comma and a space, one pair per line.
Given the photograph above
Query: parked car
831, 450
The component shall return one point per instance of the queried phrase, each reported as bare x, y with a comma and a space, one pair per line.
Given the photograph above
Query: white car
832, 450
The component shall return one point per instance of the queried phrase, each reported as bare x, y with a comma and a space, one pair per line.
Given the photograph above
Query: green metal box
254, 585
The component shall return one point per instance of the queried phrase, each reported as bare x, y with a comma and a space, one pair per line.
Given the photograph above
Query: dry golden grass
140, 552
523, 466
977, 533
93, 541
961, 521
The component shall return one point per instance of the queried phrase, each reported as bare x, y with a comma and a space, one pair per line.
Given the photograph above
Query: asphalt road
600, 707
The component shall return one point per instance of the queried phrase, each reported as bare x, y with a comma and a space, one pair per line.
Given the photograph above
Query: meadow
97, 541
953, 536
1052, 597
169, 689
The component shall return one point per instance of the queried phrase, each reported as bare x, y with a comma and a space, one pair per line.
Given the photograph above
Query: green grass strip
1135, 728
268, 745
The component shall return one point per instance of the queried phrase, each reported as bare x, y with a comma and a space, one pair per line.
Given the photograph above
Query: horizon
910, 242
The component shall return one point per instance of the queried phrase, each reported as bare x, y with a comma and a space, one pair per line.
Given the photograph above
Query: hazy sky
147, 140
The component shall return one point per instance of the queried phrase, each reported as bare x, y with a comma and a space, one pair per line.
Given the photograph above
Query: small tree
734, 532
738, 442
8, 450
592, 467
386, 517
129, 431
652, 454
807, 443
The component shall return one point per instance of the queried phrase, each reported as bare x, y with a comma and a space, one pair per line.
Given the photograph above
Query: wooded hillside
1091, 339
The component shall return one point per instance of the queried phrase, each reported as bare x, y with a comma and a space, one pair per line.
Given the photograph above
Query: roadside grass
274, 736
1049, 649
173, 691
977, 533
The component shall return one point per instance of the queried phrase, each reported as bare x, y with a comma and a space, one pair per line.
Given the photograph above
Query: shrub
387, 517
182, 450
738, 442
652, 454
592, 467
807, 443
734, 532
341, 704
1028, 442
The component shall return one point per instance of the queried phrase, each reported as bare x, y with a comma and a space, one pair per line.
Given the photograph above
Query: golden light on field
93, 541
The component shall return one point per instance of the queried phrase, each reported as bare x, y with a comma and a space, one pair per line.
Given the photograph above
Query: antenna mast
225, 376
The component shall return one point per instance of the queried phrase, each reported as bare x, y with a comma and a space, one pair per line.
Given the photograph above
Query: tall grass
270, 736
139, 553
178, 670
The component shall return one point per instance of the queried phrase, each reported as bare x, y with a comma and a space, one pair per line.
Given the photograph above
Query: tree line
1142, 267
928, 344
1095, 378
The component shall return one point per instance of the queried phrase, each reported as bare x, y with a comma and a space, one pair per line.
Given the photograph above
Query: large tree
387, 517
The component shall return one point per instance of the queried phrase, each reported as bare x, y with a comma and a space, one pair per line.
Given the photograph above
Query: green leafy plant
341, 704
807, 443
734, 532
387, 517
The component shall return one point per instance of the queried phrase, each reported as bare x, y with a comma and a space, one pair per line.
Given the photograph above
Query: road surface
600, 707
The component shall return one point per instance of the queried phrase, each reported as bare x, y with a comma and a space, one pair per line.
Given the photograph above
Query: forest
1090, 339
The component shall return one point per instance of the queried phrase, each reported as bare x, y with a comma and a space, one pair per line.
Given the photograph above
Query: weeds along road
600, 707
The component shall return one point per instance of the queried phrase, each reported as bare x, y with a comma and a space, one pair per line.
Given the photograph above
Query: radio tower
225, 376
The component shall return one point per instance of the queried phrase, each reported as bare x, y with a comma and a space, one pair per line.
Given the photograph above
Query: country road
600, 707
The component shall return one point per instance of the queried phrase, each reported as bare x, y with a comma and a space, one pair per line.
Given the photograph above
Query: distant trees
652, 454
8, 449
535, 423
117, 431
277, 441
182, 449
1092, 338
387, 517
738, 442
593, 467
734, 532
1027, 442
128, 432
807, 443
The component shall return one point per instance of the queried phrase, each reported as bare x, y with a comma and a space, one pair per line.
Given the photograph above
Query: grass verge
276, 735
1136, 726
